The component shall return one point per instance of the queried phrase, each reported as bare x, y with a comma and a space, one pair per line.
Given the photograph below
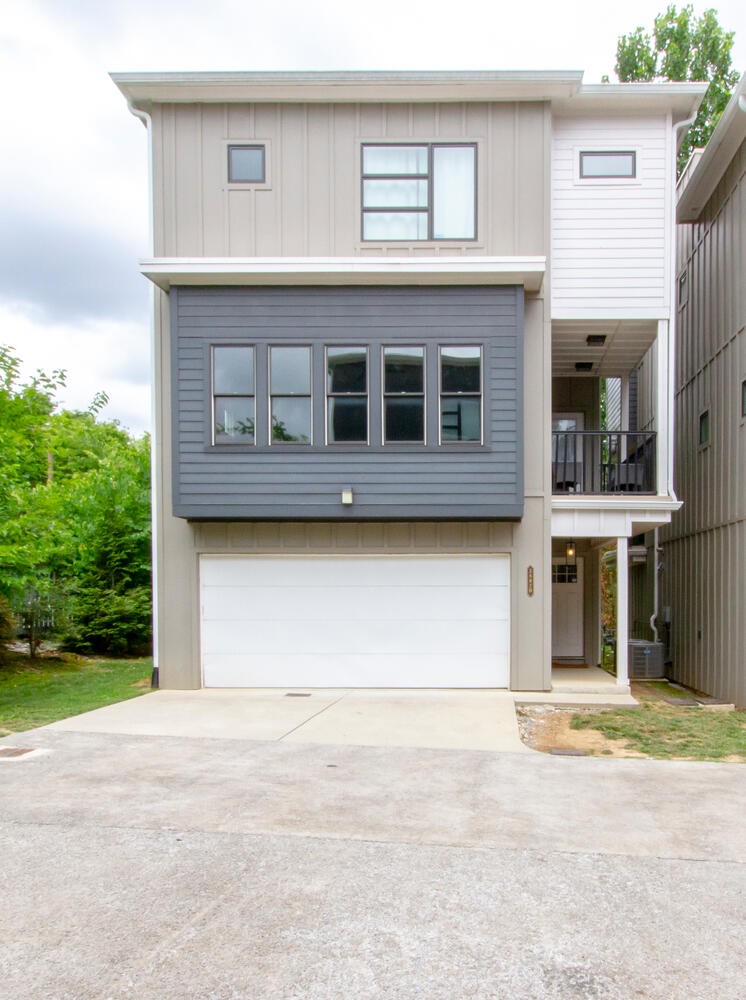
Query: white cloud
108, 356
73, 167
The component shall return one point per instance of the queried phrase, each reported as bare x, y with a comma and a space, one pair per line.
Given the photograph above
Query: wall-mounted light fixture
347, 497
570, 551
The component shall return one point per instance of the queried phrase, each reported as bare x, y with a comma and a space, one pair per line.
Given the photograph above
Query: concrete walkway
172, 868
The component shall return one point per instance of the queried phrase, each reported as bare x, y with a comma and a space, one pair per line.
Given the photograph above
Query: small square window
608, 164
246, 165
704, 428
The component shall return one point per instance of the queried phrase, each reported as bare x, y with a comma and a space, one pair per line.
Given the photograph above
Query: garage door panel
334, 638
354, 571
355, 621
358, 670
258, 603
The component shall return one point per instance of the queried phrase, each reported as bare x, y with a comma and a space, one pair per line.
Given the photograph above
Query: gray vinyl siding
704, 582
305, 482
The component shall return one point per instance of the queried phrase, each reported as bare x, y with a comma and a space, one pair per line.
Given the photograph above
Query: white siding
609, 242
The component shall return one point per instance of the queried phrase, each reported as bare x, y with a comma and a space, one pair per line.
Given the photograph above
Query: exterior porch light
570, 552
347, 497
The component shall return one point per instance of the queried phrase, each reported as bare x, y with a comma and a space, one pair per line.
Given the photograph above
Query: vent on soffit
596, 339
583, 366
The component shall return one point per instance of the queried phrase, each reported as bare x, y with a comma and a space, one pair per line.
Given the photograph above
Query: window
290, 394
419, 192
704, 428
608, 164
246, 164
346, 395
683, 288
404, 395
460, 394
233, 395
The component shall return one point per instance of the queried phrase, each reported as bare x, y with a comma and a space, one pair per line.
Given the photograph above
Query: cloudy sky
73, 215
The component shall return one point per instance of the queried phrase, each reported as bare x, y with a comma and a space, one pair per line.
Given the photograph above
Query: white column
664, 411
622, 611
624, 401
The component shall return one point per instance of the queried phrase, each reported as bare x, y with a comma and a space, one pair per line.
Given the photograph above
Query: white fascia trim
167, 271
618, 503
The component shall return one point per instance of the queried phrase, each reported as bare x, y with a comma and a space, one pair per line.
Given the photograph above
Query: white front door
355, 621
567, 608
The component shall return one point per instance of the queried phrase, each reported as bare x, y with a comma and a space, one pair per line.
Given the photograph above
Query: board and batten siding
310, 204
704, 582
609, 242
392, 481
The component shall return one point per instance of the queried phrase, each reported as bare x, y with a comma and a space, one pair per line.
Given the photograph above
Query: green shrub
111, 622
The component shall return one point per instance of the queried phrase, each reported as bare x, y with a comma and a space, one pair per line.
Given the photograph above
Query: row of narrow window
423, 191
347, 396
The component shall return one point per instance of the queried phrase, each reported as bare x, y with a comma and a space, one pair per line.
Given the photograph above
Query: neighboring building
385, 304
703, 582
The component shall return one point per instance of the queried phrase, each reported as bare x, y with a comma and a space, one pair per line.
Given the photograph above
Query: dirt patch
546, 728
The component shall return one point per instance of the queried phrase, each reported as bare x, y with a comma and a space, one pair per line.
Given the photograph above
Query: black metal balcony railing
603, 462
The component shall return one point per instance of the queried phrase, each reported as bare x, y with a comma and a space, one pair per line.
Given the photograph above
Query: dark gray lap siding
236, 482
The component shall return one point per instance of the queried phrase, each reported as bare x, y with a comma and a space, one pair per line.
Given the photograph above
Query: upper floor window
421, 191
460, 394
290, 394
246, 164
233, 395
618, 164
704, 428
346, 395
404, 395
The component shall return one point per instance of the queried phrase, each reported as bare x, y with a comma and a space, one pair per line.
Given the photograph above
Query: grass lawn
35, 692
658, 729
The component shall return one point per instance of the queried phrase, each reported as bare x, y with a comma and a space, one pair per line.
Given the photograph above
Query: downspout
147, 121
678, 131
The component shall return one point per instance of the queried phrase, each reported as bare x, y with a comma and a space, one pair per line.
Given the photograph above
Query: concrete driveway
155, 867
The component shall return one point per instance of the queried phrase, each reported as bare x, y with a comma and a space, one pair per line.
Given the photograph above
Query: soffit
167, 271
143, 90
627, 342
703, 174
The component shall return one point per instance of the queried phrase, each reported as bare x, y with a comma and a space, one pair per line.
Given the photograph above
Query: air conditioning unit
645, 660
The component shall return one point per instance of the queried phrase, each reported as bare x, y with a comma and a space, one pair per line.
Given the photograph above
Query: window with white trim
290, 394
233, 394
347, 395
607, 164
419, 191
460, 394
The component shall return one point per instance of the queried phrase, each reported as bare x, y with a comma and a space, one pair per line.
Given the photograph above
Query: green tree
683, 47
74, 517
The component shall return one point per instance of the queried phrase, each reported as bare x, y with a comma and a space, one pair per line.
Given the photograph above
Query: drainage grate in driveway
14, 751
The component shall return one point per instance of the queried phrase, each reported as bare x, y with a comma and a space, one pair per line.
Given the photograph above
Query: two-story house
386, 307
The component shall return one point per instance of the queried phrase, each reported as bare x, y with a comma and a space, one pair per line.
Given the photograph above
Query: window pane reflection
290, 371
291, 420
460, 418
233, 371
405, 419
404, 369
460, 369
234, 420
346, 369
347, 419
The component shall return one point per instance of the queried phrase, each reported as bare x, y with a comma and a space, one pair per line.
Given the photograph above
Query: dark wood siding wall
305, 482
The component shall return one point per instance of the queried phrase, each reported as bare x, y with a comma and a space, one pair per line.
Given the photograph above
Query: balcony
603, 462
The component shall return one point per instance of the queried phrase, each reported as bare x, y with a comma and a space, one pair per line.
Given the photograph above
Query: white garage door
355, 621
